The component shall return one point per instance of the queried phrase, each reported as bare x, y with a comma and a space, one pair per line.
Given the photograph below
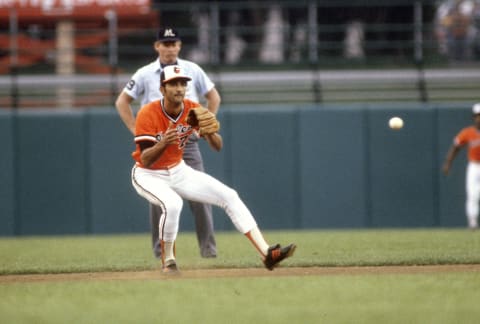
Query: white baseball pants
168, 188
473, 193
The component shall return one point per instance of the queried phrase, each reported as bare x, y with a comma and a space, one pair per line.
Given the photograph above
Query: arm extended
452, 153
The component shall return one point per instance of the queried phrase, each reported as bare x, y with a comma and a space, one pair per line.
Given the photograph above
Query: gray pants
201, 212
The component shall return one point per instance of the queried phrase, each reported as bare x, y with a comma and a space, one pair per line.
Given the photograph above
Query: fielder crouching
160, 175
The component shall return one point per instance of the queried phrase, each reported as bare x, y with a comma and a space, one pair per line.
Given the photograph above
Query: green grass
315, 248
438, 298
353, 298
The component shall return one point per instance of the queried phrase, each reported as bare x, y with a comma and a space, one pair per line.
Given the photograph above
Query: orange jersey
470, 136
152, 122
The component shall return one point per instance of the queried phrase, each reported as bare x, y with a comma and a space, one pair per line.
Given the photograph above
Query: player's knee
174, 205
231, 195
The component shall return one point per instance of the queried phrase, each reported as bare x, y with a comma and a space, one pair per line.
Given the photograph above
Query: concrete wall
294, 166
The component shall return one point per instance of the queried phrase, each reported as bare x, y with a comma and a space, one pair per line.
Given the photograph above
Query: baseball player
145, 83
163, 128
470, 137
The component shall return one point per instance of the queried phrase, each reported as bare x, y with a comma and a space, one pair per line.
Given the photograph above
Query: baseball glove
202, 118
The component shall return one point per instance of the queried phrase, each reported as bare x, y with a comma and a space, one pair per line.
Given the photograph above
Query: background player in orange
145, 86
161, 176
470, 137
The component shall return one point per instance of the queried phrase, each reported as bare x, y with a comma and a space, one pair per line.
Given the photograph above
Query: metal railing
264, 87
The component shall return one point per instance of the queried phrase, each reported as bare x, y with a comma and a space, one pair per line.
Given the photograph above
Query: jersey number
183, 141
130, 84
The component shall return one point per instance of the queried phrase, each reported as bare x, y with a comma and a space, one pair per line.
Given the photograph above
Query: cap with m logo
167, 34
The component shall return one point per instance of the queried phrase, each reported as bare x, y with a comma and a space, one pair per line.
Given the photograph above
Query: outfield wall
296, 167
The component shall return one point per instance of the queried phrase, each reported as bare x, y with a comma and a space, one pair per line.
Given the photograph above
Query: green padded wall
332, 167
67, 172
114, 204
403, 168
265, 159
7, 174
51, 184
452, 187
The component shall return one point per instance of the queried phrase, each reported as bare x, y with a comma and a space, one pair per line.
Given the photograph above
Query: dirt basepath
229, 273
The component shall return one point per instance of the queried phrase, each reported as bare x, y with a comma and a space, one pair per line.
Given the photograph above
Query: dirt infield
247, 272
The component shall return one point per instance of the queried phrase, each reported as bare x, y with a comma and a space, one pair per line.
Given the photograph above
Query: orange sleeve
463, 137
144, 130
145, 125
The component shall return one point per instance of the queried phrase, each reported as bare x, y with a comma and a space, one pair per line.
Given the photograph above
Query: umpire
145, 86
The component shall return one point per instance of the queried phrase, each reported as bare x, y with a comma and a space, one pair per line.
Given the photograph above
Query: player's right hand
171, 136
446, 169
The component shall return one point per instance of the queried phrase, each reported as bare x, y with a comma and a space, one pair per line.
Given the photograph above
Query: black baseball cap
167, 34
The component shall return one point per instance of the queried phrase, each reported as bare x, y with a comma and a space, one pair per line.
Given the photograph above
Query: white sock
256, 237
472, 222
168, 250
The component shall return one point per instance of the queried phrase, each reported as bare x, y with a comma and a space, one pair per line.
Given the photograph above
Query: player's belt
169, 166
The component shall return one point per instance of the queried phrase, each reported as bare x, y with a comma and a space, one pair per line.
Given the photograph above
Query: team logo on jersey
169, 33
183, 131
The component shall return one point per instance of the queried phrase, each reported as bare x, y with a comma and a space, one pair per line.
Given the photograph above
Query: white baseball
395, 123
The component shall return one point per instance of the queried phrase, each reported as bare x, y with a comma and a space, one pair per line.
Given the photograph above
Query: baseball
395, 123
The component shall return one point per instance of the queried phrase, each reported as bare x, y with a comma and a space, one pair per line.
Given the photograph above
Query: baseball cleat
170, 268
208, 254
276, 254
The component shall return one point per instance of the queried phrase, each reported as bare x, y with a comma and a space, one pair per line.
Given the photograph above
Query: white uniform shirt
145, 82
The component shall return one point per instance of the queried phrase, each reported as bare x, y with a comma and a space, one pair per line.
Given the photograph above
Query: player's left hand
203, 119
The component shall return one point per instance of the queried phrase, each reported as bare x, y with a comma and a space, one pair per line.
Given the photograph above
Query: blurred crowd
277, 32
458, 29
